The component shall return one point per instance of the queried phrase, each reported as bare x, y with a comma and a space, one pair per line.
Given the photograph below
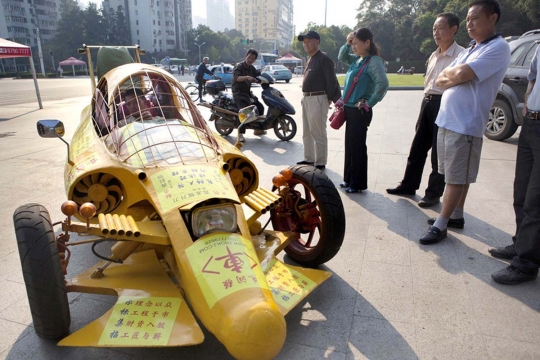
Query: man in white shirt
471, 84
444, 29
525, 252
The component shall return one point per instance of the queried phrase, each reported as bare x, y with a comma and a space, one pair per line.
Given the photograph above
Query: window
517, 53
530, 55
137, 32
137, 22
153, 22
136, 12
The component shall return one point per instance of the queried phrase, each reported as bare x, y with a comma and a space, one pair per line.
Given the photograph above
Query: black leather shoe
506, 252
453, 223
433, 235
321, 167
304, 162
511, 275
400, 190
344, 185
427, 201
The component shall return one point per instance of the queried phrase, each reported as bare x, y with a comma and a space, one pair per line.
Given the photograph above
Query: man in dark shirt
320, 87
244, 74
201, 70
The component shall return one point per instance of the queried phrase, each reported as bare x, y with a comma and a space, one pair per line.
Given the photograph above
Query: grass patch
397, 80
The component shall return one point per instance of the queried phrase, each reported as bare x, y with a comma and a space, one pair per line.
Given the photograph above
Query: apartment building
266, 21
156, 25
218, 15
21, 19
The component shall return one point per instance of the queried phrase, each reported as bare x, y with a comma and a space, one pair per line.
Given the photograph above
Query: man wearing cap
320, 86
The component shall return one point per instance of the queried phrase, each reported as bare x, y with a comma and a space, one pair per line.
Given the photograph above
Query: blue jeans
527, 197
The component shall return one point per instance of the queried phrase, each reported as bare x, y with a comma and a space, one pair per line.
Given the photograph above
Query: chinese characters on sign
180, 186
224, 264
140, 321
287, 285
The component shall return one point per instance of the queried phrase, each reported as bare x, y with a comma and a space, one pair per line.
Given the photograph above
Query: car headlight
214, 218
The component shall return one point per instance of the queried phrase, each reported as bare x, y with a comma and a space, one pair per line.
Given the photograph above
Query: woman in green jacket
368, 91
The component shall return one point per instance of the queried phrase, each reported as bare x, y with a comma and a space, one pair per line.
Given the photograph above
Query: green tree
120, 34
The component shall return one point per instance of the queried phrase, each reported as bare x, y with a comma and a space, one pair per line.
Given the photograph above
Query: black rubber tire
501, 124
287, 81
222, 128
193, 92
42, 271
332, 215
280, 123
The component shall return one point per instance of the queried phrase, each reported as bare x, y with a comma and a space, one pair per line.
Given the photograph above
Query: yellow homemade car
182, 209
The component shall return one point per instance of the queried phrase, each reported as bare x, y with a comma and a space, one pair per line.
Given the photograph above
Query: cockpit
147, 119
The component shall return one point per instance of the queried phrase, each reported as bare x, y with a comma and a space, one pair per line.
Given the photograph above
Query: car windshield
280, 67
151, 121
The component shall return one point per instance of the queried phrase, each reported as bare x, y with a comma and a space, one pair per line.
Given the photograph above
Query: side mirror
50, 128
53, 129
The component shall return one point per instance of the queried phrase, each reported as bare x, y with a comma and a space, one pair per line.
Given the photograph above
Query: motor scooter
225, 111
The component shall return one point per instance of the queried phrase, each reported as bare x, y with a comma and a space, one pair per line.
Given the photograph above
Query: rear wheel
42, 271
313, 209
285, 127
193, 92
287, 81
501, 124
223, 127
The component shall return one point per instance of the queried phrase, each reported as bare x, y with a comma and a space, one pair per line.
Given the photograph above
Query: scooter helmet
266, 79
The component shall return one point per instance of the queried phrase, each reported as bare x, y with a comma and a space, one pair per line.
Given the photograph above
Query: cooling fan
242, 175
102, 190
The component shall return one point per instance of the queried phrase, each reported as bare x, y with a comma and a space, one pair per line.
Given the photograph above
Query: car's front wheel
501, 124
42, 271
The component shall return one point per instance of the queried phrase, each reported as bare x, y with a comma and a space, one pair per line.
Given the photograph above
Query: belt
315, 93
433, 97
533, 115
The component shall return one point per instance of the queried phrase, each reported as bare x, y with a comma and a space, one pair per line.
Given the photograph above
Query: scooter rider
244, 74
201, 70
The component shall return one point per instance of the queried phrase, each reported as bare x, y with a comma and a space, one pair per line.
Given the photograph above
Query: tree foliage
403, 28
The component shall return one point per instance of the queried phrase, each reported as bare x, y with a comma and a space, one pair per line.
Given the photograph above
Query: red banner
14, 52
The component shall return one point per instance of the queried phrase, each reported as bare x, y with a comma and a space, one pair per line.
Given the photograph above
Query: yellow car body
182, 206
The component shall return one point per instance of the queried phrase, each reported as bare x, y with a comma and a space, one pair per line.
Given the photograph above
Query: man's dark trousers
527, 197
425, 139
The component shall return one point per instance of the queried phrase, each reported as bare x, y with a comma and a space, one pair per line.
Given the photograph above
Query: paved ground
388, 298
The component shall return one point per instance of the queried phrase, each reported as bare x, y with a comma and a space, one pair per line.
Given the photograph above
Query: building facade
218, 15
266, 21
156, 25
20, 20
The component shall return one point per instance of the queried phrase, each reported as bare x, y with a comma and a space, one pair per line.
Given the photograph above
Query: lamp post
200, 50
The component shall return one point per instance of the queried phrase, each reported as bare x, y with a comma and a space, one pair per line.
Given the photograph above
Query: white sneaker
241, 138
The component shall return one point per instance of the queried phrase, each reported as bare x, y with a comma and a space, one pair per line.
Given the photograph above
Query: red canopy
10, 49
72, 61
288, 58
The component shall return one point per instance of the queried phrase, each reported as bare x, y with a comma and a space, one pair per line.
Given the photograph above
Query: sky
339, 12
